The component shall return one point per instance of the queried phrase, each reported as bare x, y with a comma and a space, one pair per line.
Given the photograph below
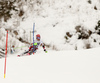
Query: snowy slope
81, 66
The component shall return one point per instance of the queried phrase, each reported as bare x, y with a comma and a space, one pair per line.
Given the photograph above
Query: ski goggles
37, 37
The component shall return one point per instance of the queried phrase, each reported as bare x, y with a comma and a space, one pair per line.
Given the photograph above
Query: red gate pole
6, 54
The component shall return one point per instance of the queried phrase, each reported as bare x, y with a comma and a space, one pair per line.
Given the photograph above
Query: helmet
38, 36
31, 43
13, 46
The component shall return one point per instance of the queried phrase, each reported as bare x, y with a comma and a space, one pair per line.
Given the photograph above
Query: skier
12, 49
33, 48
38, 43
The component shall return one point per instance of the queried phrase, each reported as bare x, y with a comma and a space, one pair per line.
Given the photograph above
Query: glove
45, 51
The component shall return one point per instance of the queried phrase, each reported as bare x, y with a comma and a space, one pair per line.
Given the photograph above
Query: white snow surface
82, 66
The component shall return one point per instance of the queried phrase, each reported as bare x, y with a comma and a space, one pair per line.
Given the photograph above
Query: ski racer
33, 48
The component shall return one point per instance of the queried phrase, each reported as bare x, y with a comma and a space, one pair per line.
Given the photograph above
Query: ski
24, 55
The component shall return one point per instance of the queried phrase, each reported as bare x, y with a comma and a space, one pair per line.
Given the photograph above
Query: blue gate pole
33, 36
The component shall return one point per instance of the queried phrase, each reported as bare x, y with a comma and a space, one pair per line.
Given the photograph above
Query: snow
81, 66
52, 20
62, 64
